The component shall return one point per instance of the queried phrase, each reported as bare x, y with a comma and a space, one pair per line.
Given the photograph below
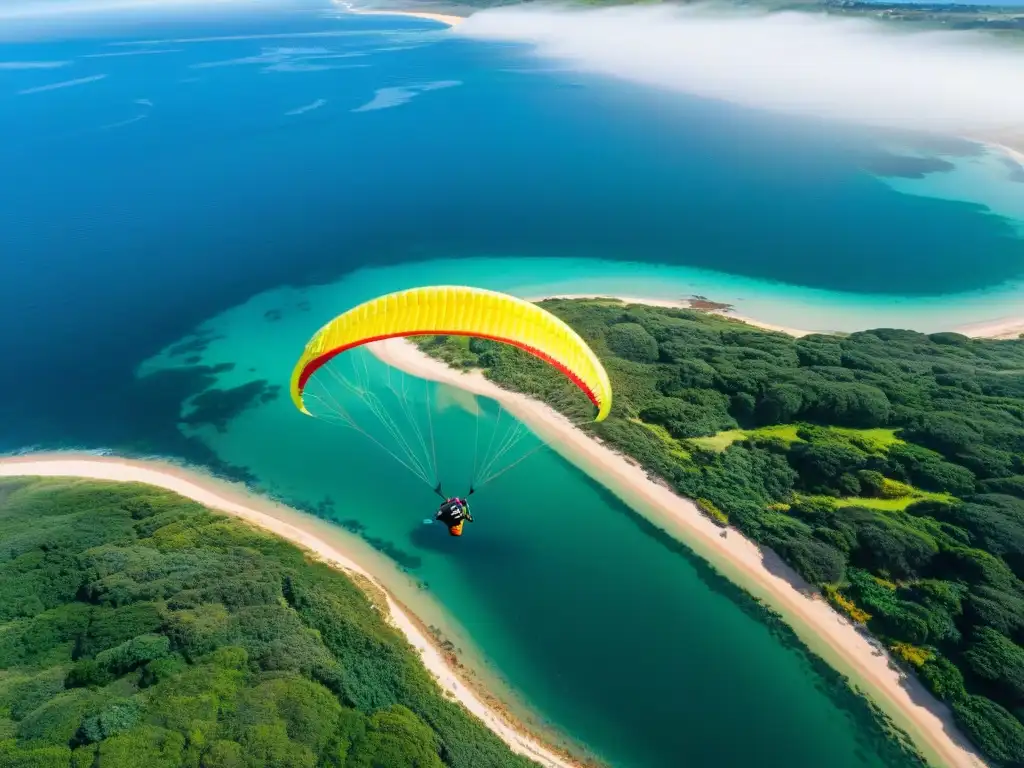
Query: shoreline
719, 310
447, 19
928, 722
297, 528
1004, 328
1011, 147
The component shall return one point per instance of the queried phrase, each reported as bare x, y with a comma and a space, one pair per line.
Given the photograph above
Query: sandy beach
911, 706
1012, 146
443, 18
1016, 154
1000, 328
1005, 328
689, 304
300, 529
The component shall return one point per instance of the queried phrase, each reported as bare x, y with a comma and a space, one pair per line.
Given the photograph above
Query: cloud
140, 52
302, 66
33, 64
237, 38
287, 60
860, 70
394, 48
62, 84
307, 108
122, 123
386, 98
267, 56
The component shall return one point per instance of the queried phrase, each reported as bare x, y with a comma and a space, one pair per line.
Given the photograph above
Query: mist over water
858, 70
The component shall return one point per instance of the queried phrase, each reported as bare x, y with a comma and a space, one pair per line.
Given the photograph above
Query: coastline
1005, 328
913, 708
447, 19
1012, 147
299, 529
1000, 328
722, 310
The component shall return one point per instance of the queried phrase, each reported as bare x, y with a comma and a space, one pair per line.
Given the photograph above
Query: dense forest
137, 629
887, 467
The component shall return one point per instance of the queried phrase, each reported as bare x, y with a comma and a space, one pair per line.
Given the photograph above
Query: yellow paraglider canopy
451, 310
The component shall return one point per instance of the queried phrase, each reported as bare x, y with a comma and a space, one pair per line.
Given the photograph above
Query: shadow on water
875, 730
217, 408
1015, 168
140, 418
405, 560
904, 167
474, 544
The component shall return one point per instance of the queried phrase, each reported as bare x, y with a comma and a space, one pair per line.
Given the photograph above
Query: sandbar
300, 529
912, 707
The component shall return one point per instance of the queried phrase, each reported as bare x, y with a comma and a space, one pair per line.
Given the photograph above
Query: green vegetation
675, 447
718, 517
138, 629
886, 503
870, 440
887, 467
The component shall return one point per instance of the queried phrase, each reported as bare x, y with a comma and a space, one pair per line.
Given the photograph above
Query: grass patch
674, 446
787, 433
877, 439
885, 505
722, 440
874, 440
718, 442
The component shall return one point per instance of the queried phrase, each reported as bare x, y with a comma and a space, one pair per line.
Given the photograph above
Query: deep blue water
116, 236
140, 204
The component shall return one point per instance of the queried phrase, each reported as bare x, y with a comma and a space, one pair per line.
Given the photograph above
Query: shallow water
181, 225
613, 635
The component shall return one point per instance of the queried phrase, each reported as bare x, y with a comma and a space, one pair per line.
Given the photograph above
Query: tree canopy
139, 629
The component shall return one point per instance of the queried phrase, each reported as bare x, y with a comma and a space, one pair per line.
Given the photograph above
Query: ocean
186, 202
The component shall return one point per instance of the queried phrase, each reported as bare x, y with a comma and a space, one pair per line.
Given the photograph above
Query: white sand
1012, 147
685, 304
443, 18
297, 528
1003, 328
911, 706
1014, 153
1000, 328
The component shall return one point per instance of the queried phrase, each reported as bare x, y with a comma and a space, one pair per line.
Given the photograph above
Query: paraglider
445, 310
454, 513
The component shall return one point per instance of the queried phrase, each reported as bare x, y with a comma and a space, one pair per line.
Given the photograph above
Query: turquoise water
611, 634
192, 199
